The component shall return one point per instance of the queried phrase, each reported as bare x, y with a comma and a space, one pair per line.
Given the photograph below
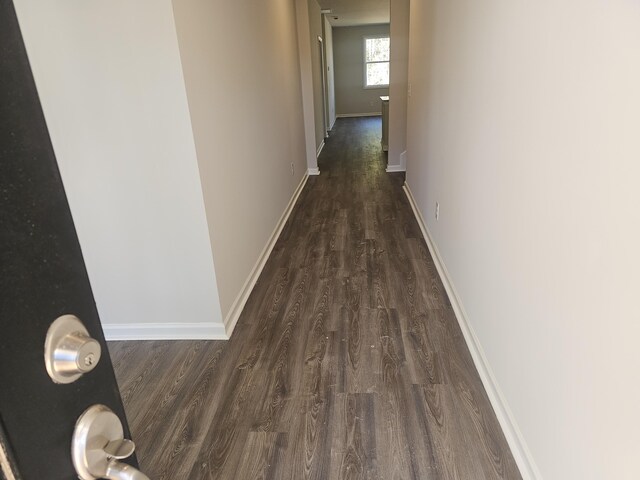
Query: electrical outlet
437, 211
292, 169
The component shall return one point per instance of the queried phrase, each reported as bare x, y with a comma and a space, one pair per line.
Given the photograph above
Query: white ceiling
356, 12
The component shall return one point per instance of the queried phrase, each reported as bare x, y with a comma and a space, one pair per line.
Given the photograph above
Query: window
376, 62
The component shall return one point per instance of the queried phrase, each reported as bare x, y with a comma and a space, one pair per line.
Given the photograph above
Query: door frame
323, 68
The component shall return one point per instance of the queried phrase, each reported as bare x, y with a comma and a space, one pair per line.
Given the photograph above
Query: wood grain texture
347, 362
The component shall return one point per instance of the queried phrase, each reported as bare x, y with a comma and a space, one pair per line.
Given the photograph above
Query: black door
43, 277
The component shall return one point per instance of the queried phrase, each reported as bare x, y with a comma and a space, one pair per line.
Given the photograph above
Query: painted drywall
331, 88
398, 74
348, 58
357, 12
110, 82
315, 31
523, 125
306, 84
242, 74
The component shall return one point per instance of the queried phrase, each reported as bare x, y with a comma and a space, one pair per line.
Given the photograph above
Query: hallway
346, 363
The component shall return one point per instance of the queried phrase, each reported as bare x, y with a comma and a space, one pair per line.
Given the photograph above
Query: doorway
323, 80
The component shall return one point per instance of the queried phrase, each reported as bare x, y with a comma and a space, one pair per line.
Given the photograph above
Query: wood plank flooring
347, 362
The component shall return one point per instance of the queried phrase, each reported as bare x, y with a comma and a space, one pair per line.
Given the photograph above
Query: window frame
365, 63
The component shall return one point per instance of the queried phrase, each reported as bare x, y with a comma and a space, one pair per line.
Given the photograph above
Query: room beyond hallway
347, 361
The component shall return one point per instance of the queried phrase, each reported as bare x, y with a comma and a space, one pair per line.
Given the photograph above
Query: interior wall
331, 89
398, 75
109, 78
241, 69
315, 31
348, 56
523, 125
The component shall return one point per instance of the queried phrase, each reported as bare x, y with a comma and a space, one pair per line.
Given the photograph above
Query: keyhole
89, 359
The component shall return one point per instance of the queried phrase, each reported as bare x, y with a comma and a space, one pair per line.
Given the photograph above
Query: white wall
348, 57
523, 125
109, 79
241, 69
398, 74
331, 89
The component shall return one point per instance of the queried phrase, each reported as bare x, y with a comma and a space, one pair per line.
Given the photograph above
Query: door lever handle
98, 445
121, 471
120, 449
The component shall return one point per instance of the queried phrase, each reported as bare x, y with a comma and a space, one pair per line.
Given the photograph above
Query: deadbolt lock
69, 351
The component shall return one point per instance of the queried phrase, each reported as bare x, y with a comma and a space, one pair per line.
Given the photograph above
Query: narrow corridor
347, 361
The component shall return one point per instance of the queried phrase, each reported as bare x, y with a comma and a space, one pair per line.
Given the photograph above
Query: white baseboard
395, 168
165, 331
313, 171
240, 301
207, 331
350, 115
519, 449
320, 147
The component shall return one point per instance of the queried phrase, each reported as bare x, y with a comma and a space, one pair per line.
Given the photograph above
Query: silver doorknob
98, 444
69, 351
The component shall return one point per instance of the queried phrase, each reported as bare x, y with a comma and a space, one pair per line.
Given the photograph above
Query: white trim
165, 331
515, 439
325, 92
207, 331
236, 309
5, 465
395, 168
313, 171
334, 122
320, 147
350, 115
365, 63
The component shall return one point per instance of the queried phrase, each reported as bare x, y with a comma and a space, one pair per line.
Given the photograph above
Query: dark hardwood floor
347, 362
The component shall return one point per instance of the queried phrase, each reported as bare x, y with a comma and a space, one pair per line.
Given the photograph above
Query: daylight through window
376, 61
